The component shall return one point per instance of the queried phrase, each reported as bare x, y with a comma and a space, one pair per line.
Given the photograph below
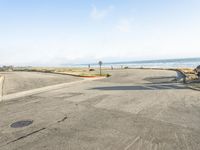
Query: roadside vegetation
192, 78
80, 72
190, 73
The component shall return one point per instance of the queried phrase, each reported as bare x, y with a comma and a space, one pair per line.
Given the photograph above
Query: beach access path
133, 109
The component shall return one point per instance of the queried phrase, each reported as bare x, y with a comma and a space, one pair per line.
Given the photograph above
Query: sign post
100, 64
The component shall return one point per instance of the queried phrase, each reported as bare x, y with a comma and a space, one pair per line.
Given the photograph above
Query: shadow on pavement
163, 79
149, 87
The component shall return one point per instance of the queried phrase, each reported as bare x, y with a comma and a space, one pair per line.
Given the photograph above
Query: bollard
1, 87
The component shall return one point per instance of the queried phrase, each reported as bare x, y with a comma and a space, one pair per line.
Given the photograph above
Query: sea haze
164, 63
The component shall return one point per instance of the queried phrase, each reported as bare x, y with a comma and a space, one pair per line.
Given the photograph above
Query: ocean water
167, 63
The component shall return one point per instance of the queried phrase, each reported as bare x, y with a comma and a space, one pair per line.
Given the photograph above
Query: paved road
23, 81
133, 109
43, 89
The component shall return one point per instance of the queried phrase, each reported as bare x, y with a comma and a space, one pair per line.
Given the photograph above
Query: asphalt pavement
134, 109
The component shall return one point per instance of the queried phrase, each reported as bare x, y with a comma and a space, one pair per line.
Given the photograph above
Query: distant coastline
161, 63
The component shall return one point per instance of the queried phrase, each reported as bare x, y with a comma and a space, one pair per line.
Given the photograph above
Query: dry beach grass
75, 71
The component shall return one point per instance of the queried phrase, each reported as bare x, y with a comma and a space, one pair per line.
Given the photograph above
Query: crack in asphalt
24, 136
34, 132
62, 119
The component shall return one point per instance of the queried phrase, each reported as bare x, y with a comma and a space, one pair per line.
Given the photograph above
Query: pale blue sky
53, 32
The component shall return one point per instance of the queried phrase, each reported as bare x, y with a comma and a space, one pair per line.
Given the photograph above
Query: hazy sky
52, 32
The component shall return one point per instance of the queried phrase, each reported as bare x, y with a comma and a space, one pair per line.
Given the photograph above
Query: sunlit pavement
133, 109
